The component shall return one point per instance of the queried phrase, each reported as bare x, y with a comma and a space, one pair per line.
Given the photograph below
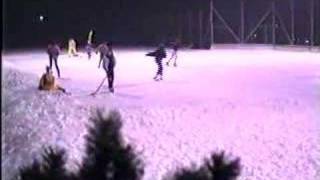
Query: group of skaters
107, 60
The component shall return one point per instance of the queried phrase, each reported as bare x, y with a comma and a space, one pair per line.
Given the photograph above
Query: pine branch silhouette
107, 157
220, 169
54, 162
191, 174
51, 168
32, 172
214, 168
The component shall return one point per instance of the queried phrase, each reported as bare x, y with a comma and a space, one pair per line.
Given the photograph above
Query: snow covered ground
259, 104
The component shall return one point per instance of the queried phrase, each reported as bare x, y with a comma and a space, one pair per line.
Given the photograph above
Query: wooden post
190, 27
273, 5
211, 24
242, 20
293, 37
311, 23
200, 28
265, 28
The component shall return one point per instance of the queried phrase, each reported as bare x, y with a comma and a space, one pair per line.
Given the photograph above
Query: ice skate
158, 78
111, 90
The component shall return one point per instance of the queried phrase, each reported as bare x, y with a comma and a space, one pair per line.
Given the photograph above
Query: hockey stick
94, 93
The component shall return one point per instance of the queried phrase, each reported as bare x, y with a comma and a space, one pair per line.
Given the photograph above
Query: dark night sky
131, 22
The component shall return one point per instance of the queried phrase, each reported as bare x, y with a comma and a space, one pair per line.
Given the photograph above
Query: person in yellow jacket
90, 37
89, 46
48, 83
72, 48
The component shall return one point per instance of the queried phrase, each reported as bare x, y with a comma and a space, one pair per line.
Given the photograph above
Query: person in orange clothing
48, 83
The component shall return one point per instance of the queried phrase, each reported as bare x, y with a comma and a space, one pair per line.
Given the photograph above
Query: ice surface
259, 104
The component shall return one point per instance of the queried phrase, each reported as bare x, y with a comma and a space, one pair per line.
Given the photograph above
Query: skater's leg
69, 51
175, 58
56, 64
50, 61
110, 79
169, 59
73, 51
61, 89
167, 63
172, 56
159, 72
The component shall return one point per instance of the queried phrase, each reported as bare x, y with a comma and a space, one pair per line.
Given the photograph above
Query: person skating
90, 37
108, 64
53, 51
48, 83
159, 54
174, 56
89, 46
89, 50
72, 48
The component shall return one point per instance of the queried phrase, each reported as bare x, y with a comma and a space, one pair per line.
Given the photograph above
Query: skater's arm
100, 62
58, 49
151, 53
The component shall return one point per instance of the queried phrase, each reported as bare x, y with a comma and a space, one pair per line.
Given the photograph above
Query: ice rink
256, 103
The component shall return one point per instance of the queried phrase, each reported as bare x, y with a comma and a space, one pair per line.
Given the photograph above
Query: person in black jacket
108, 64
53, 51
159, 54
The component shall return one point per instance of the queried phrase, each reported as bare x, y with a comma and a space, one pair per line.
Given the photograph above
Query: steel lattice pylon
278, 24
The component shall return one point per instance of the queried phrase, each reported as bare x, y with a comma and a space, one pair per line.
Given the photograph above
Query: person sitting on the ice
53, 51
72, 48
103, 49
48, 83
159, 54
175, 47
